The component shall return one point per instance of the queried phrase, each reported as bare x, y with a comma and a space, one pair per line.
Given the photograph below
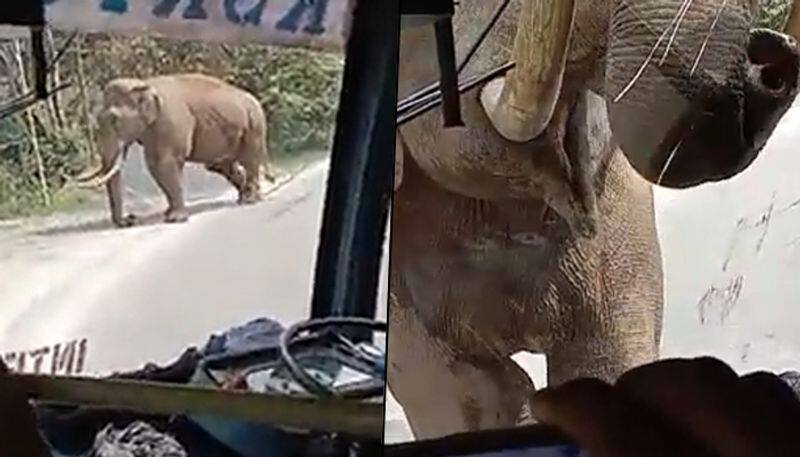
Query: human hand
677, 408
19, 435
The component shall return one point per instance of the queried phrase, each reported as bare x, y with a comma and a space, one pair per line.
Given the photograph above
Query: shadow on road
152, 218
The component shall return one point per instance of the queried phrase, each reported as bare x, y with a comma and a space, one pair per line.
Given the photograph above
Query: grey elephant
177, 119
531, 227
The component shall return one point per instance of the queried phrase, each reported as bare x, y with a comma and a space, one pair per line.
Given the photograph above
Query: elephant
180, 118
531, 226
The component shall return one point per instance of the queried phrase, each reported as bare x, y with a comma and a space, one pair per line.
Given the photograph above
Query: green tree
773, 13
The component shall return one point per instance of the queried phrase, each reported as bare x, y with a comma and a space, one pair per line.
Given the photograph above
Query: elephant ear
149, 102
399, 156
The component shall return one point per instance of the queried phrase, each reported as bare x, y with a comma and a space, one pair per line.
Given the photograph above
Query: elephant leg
442, 392
114, 190
167, 171
231, 171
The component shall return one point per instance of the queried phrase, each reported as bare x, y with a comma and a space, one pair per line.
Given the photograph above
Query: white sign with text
316, 24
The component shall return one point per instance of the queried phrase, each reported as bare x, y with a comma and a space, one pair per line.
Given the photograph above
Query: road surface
144, 294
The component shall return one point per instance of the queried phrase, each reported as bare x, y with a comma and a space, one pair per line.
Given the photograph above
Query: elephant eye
111, 116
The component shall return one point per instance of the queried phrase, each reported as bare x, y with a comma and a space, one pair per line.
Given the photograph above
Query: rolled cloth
139, 439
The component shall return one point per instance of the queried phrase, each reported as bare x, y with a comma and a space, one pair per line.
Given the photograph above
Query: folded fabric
251, 349
138, 439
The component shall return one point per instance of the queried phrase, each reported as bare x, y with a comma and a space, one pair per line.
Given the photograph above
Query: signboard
317, 24
66, 359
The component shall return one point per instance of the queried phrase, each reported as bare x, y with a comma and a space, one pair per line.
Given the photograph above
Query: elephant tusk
88, 176
521, 104
99, 181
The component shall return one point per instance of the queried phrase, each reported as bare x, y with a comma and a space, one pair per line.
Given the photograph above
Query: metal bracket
415, 13
30, 14
22, 13
439, 13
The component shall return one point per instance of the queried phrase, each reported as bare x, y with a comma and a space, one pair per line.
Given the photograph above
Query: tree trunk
31, 124
87, 118
55, 99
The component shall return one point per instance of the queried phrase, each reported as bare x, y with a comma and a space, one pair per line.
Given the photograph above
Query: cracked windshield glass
623, 189
171, 185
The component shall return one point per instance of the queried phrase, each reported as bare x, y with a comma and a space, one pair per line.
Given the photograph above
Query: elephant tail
268, 170
259, 129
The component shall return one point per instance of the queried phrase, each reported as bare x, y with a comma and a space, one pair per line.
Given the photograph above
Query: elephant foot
176, 216
125, 222
249, 198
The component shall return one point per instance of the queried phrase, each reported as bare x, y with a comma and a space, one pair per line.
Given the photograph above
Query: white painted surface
737, 243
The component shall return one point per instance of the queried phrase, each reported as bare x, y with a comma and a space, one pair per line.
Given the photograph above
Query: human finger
733, 416
607, 423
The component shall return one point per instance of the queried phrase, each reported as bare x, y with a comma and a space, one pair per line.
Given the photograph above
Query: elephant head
130, 107
691, 92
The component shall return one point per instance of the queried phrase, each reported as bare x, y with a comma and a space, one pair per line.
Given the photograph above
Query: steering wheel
293, 333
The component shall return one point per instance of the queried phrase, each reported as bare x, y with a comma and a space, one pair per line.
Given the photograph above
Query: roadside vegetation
774, 13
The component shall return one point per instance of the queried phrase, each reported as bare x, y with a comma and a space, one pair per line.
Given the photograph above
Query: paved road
145, 293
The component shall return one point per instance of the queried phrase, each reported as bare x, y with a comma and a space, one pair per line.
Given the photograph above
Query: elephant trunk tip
773, 63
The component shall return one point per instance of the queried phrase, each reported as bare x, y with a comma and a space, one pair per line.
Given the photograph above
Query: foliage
773, 13
299, 90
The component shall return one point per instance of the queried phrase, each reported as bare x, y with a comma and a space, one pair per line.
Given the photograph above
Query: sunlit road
145, 293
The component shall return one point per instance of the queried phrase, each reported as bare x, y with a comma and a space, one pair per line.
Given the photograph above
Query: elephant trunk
111, 151
112, 154
521, 104
692, 93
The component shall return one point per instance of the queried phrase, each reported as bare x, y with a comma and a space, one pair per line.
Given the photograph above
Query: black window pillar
362, 167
